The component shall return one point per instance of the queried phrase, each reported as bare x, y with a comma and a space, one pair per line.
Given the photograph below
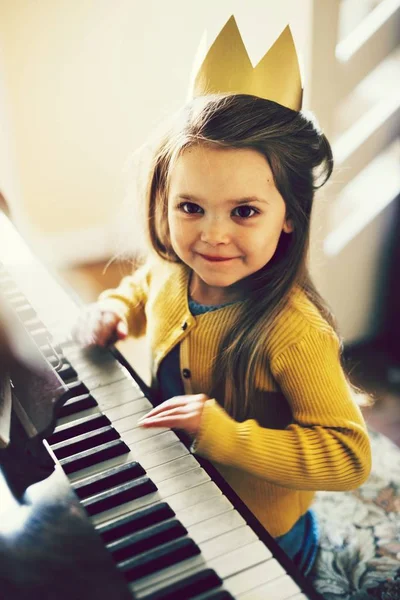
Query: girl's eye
190, 208
244, 212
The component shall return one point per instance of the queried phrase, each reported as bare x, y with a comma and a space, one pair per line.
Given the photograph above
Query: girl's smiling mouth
217, 258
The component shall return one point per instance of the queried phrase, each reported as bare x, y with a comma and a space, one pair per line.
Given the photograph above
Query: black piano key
77, 387
67, 372
126, 492
40, 336
33, 324
17, 300
141, 541
189, 587
94, 456
85, 441
25, 312
9, 291
70, 430
216, 595
158, 559
140, 519
54, 360
108, 479
77, 404
49, 350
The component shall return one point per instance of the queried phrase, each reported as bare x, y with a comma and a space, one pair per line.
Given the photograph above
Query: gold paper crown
227, 69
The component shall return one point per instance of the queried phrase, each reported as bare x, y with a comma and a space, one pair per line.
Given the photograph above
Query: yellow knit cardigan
305, 431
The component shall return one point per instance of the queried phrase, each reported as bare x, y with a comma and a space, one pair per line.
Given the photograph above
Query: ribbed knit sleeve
325, 448
129, 299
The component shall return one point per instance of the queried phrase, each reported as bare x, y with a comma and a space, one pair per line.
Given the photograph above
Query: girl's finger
171, 403
173, 422
168, 412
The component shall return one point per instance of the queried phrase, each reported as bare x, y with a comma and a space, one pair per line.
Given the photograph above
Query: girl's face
225, 217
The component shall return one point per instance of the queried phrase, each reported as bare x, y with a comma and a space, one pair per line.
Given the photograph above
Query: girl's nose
215, 232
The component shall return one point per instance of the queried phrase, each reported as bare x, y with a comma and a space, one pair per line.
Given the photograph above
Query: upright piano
90, 503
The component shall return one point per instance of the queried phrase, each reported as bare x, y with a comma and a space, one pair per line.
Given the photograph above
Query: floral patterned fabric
359, 553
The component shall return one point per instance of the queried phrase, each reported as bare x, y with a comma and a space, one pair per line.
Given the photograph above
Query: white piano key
118, 398
281, 588
182, 482
121, 413
192, 497
256, 575
158, 442
100, 468
117, 388
217, 505
153, 459
299, 597
181, 500
137, 434
168, 576
79, 415
230, 540
172, 468
238, 560
216, 526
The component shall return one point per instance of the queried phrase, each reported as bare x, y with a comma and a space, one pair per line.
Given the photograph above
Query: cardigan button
184, 325
186, 373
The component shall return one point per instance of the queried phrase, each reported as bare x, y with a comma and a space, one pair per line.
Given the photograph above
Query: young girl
245, 354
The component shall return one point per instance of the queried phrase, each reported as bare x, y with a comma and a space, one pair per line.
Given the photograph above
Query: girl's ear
288, 226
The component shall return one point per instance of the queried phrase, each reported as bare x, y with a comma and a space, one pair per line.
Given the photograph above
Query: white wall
88, 80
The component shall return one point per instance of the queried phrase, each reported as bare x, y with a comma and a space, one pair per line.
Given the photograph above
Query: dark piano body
91, 504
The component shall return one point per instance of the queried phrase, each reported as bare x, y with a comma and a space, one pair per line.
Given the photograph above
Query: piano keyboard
169, 528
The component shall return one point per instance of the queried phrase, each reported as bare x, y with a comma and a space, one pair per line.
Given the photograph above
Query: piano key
127, 410
34, 324
167, 576
146, 539
25, 312
240, 559
178, 501
212, 527
155, 560
205, 510
245, 547
77, 404
126, 524
17, 300
201, 582
158, 442
231, 539
80, 414
108, 479
281, 588
93, 456
119, 495
82, 425
91, 439
67, 372
78, 388
254, 576
172, 468
152, 460
220, 594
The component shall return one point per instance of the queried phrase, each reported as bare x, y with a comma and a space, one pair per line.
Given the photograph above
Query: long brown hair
301, 160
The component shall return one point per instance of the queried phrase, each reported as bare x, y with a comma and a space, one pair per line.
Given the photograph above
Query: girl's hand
179, 412
97, 326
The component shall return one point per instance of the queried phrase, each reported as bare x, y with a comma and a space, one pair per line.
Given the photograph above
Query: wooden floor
369, 366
